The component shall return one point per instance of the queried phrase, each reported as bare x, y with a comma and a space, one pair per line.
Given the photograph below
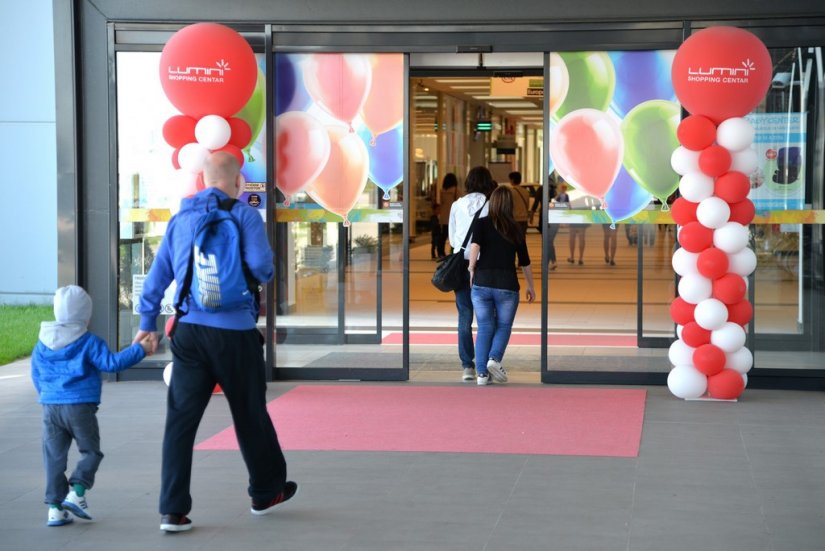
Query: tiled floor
710, 475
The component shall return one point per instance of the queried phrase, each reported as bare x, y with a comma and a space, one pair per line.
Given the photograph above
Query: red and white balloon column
208, 72
719, 74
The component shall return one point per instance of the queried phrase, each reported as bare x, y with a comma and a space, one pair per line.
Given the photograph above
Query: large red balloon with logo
208, 69
721, 72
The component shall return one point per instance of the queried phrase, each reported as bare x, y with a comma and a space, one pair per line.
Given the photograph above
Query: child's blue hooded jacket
67, 359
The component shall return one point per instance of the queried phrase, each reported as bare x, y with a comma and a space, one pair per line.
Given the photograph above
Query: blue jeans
464, 305
495, 311
61, 424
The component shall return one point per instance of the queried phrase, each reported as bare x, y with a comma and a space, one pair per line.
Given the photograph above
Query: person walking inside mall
209, 348
448, 196
521, 201
497, 243
479, 185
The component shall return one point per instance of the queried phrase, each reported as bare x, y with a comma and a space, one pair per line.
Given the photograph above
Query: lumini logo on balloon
730, 75
201, 74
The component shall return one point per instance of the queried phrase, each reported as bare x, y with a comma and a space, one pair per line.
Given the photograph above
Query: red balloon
740, 312
241, 132
175, 162
730, 288
234, 150
714, 160
742, 212
695, 335
721, 72
168, 326
732, 186
681, 311
709, 359
179, 130
208, 69
683, 211
726, 385
712, 263
695, 237
696, 132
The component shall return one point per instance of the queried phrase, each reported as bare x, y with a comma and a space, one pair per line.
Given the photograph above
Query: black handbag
451, 273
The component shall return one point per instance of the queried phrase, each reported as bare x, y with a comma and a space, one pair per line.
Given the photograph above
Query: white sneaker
77, 505
469, 374
483, 380
497, 372
59, 517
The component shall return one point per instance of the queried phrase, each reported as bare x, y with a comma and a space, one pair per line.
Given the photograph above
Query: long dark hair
479, 180
501, 215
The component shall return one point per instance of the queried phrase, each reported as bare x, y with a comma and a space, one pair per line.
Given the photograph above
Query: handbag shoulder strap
470, 229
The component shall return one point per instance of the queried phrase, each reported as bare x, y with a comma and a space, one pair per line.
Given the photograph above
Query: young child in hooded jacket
66, 365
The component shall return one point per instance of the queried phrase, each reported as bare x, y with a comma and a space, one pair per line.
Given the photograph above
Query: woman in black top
496, 244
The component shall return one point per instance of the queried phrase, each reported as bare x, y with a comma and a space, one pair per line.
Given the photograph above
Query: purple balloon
290, 93
625, 198
640, 77
386, 153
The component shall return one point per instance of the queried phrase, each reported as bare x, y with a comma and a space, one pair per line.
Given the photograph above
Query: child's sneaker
469, 374
483, 380
77, 505
497, 372
59, 517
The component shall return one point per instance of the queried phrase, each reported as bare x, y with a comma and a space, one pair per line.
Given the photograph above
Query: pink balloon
301, 148
343, 179
384, 106
339, 83
587, 148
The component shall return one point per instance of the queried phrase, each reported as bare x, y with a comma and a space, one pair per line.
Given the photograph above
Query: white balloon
739, 360
213, 132
192, 156
742, 262
731, 238
694, 288
684, 262
683, 160
711, 314
679, 329
745, 161
730, 337
713, 212
696, 186
735, 134
167, 373
744, 378
686, 382
680, 353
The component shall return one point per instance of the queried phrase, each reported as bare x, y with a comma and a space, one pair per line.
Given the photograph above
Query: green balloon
254, 112
592, 82
649, 132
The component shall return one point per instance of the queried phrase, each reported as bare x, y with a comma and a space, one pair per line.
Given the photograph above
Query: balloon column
719, 74
209, 73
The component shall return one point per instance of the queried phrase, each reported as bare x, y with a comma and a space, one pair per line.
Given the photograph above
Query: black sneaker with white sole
175, 523
264, 508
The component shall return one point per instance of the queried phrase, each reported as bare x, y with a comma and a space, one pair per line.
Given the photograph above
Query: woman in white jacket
479, 185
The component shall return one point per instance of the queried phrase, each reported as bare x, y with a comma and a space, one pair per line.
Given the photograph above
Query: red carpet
471, 419
529, 339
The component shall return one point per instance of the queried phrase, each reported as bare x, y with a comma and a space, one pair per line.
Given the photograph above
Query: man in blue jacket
221, 347
66, 362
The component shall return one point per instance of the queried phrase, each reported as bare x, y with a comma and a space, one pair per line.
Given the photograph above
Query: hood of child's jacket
72, 312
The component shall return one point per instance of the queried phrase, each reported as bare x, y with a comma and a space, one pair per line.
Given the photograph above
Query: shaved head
222, 170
